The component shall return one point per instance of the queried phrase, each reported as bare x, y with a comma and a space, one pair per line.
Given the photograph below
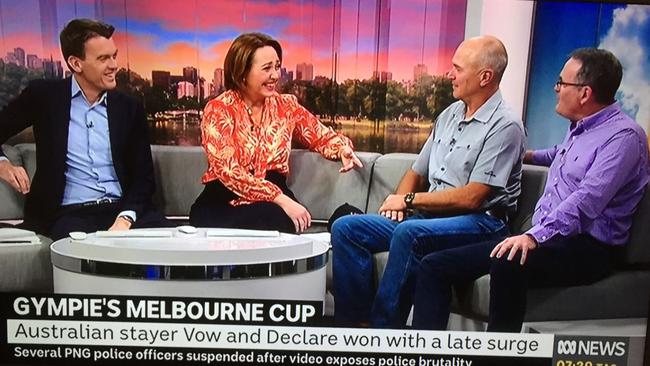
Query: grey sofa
318, 185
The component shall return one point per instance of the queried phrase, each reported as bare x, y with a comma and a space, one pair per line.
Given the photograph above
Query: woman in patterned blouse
246, 133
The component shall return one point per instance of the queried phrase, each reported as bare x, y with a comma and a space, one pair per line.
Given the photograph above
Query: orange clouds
161, 33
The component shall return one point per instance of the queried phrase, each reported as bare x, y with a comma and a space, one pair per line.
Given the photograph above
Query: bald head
486, 52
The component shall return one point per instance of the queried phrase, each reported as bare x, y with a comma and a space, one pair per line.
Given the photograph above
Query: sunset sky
171, 34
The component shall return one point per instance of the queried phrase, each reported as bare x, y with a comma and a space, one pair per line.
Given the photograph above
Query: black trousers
100, 217
559, 262
212, 209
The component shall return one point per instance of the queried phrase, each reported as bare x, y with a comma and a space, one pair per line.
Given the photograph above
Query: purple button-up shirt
597, 177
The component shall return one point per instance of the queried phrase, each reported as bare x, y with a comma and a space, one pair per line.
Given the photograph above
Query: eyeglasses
559, 83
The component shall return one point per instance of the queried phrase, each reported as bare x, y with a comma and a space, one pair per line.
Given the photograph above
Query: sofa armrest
12, 201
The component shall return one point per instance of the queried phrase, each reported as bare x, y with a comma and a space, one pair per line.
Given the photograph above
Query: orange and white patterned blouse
240, 152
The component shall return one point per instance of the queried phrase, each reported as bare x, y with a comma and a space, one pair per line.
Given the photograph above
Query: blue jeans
356, 238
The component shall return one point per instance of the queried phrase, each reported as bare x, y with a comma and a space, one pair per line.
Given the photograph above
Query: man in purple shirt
596, 178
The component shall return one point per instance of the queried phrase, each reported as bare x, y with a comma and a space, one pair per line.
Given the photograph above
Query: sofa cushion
178, 171
386, 175
12, 201
320, 187
533, 180
28, 155
607, 298
637, 250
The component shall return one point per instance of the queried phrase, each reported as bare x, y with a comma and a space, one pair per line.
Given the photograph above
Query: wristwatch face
408, 199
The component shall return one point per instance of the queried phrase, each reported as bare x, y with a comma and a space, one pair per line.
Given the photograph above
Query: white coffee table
284, 266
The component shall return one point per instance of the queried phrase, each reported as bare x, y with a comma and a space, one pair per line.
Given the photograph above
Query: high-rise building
190, 74
382, 76
58, 69
199, 88
48, 69
304, 71
285, 76
419, 70
52, 69
175, 79
185, 89
33, 62
217, 81
161, 79
20, 56
11, 58
385, 76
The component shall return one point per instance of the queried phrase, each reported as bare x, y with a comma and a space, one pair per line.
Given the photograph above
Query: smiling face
96, 72
263, 76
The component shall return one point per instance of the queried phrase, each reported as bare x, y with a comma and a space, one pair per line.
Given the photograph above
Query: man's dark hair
239, 58
75, 34
601, 70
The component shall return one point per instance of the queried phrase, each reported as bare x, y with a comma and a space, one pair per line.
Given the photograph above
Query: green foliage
155, 98
13, 79
372, 99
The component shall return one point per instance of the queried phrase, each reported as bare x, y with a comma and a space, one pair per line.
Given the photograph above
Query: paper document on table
135, 234
11, 236
244, 233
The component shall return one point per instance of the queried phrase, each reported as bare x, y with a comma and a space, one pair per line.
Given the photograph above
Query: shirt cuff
540, 233
3, 158
130, 213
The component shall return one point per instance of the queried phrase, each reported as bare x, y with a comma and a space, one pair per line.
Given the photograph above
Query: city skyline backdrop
335, 39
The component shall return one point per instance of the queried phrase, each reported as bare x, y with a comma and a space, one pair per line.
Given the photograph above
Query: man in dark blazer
94, 167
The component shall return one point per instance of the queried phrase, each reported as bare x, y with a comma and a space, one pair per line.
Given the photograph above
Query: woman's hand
349, 160
296, 212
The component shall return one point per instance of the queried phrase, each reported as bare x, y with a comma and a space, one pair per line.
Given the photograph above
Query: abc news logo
591, 348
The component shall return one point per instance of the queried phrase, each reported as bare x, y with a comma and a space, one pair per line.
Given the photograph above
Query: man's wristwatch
408, 200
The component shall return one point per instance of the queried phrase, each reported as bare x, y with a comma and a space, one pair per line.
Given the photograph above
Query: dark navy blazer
45, 105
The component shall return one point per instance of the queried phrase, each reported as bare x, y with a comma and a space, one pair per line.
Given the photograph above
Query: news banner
40, 329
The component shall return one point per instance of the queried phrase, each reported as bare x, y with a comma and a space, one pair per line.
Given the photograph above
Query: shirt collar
598, 117
76, 91
485, 112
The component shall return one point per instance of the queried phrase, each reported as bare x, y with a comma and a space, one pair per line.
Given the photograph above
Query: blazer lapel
61, 118
116, 128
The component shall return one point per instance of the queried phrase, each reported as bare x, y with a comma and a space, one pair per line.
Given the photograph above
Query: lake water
384, 137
